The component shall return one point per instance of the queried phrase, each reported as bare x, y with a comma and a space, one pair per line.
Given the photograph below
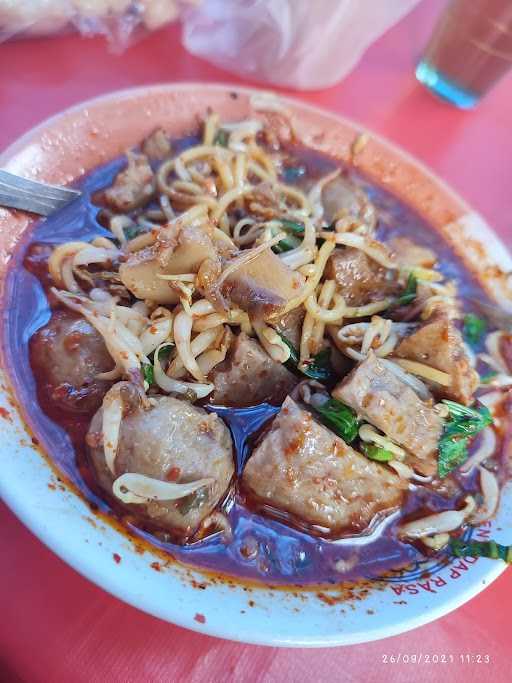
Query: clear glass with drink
469, 51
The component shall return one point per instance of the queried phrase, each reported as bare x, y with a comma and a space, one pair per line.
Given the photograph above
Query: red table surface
56, 626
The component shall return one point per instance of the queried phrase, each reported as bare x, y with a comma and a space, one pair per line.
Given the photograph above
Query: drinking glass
469, 51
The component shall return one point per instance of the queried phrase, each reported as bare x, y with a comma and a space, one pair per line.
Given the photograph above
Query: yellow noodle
375, 250
240, 169
256, 153
425, 371
305, 339
210, 129
273, 344
259, 172
182, 277
187, 187
368, 309
312, 282
332, 315
225, 173
147, 239
324, 299
59, 255
227, 199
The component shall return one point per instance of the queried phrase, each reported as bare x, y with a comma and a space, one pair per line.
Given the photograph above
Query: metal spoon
29, 195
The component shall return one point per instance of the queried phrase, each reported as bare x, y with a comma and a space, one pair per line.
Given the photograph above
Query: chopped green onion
289, 242
286, 244
340, 418
165, 351
221, 138
319, 367
490, 549
293, 360
292, 226
488, 376
410, 292
133, 231
377, 453
467, 421
464, 423
474, 329
149, 373
452, 454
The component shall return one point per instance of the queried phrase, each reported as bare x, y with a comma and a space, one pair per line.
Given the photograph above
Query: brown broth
263, 547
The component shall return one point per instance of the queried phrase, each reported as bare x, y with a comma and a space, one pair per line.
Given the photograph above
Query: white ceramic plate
59, 151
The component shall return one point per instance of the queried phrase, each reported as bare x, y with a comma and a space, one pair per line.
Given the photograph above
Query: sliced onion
425, 371
111, 425
315, 194
436, 542
198, 345
182, 330
271, 342
155, 335
440, 522
492, 344
415, 384
491, 496
94, 255
60, 255
138, 488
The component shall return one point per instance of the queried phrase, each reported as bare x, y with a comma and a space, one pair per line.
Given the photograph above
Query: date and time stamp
435, 658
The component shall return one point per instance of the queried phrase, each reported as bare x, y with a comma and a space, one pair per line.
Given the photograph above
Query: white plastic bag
121, 21
303, 44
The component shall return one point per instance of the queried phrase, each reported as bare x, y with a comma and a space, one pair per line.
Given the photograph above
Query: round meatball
66, 356
171, 441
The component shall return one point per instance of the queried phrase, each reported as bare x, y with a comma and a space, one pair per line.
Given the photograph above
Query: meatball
172, 441
66, 355
301, 467
250, 376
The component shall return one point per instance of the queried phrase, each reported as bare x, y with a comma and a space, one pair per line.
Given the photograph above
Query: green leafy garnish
410, 292
340, 418
474, 329
374, 452
286, 244
165, 351
490, 549
132, 231
293, 360
149, 373
292, 226
289, 242
319, 366
221, 138
488, 376
464, 423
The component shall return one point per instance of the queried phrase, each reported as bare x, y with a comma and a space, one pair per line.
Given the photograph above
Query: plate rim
51, 539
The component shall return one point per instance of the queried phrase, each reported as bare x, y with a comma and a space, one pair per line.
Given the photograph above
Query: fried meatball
66, 356
171, 441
